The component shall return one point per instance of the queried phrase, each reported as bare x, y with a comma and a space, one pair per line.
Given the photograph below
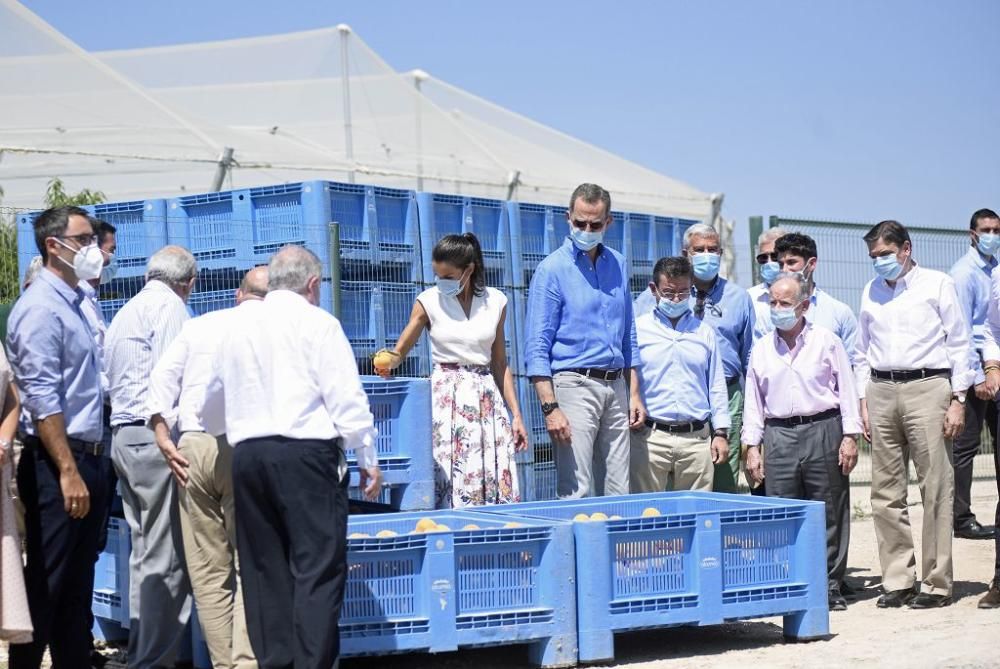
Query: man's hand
76, 497
982, 391
371, 482
558, 427
636, 413
720, 450
848, 456
992, 383
754, 465
866, 426
954, 419
178, 463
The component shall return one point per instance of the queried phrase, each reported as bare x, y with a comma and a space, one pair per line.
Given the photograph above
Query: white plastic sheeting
154, 122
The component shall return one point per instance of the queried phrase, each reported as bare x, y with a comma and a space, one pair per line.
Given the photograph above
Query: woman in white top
15, 619
473, 438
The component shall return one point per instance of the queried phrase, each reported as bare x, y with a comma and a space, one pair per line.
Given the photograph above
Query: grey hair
799, 280
701, 230
291, 268
34, 267
591, 193
173, 265
770, 235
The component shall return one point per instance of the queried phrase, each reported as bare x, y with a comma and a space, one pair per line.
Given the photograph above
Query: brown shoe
991, 600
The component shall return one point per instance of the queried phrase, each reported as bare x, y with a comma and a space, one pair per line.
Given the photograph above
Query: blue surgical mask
673, 309
449, 287
110, 270
988, 243
705, 265
784, 319
585, 240
888, 267
769, 271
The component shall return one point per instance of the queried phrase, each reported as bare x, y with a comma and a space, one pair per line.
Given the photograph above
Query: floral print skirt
472, 439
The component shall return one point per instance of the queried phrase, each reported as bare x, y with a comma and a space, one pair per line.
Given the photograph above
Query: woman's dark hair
461, 251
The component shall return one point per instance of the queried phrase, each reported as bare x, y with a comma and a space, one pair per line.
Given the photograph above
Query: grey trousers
800, 462
596, 462
159, 590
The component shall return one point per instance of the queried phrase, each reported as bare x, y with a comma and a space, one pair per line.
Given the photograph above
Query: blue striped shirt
54, 358
136, 339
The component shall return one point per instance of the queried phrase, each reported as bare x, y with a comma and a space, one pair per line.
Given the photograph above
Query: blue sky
845, 110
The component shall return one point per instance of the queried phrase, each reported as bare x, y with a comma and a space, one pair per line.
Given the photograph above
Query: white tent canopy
154, 122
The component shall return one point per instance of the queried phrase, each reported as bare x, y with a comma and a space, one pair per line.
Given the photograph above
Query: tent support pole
345, 76
225, 162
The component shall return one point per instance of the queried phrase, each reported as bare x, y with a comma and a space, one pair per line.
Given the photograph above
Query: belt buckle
798, 420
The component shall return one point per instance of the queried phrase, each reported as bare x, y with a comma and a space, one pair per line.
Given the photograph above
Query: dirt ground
957, 636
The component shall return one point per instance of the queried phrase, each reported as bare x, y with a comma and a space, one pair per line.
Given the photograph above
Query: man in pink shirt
802, 406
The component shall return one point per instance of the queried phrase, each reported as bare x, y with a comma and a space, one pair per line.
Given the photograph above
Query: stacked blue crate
475, 580
111, 584
663, 559
442, 215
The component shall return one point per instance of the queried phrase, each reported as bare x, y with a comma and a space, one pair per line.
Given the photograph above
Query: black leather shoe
991, 600
895, 598
847, 590
926, 601
837, 601
973, 530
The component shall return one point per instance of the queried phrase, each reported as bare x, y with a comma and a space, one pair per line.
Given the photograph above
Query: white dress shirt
286, 369
917, 324
179, 380
137, 337
95, 319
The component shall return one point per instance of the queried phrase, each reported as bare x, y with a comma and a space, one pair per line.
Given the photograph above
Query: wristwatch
721, 433
549, 407
959, 397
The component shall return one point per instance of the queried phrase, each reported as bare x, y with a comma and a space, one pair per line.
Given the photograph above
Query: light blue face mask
769, 271
673, 309
705, 266
449, 287
888, 267
110, 270
585, 240
988, 243
784, 319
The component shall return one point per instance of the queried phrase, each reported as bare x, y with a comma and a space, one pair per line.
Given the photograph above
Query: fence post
335, 267
756, 228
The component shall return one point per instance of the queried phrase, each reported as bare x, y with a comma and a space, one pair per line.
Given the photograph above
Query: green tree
56, 195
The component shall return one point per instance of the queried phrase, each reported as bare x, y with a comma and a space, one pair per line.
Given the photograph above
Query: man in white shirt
912, 369
159, 590
202, 465
767, 263
293, 401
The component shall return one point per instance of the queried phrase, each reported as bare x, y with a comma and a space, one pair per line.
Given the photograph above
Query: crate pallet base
687, 558
478, 581
109, 630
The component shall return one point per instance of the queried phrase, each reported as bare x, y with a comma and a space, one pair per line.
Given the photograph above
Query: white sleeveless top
456, 338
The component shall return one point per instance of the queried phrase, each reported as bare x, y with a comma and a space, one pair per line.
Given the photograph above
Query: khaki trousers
209, 530
663, 461
906, 420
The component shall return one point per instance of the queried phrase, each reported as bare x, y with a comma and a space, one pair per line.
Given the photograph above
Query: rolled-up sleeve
847, 391
753, 408
35, 343
718, 394
166, 378
957, 337
345, 397
542, 321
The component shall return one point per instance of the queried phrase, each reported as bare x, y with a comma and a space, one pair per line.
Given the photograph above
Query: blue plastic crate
213, 300
374, 314
442, 215
663, 238
535, 232
441, 591
402, 412
377, 225
247, 226
679, 229
705, 559
141, 231
642, 244
617, 235
111, 579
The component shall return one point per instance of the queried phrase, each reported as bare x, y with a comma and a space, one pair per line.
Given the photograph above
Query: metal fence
844, 269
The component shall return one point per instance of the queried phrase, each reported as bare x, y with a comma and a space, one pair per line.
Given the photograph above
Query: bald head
788, 289
253, 286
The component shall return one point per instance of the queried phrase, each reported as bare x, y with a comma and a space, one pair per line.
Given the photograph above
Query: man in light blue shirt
767, 264
683, 387
60, 475
971, 274
728, 309
797, 253
579, 353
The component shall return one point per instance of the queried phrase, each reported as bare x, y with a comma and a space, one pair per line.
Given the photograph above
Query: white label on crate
441, 585
710, 563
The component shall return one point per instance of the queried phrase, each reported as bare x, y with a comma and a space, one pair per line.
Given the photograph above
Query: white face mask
88, 261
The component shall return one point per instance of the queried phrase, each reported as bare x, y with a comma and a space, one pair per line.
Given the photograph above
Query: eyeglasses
82, 240
675, 297
764, 258
593, 226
